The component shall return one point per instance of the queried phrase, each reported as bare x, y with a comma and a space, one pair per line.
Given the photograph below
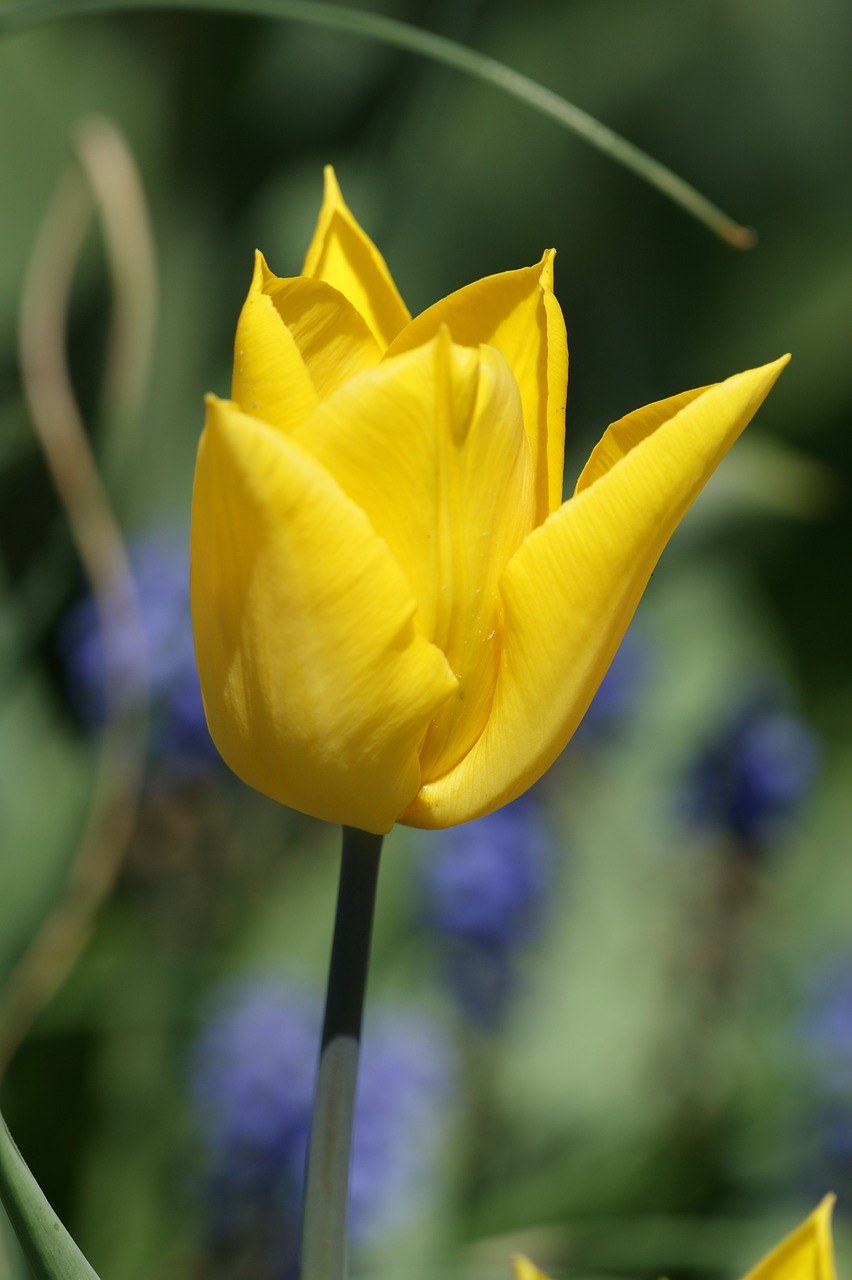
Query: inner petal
516, 312
343, 255
431, 445
333, 340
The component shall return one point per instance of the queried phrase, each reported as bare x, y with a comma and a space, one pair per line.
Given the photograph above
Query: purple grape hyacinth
160, 566
751, 778
485, 890
825, 1032
252, 1083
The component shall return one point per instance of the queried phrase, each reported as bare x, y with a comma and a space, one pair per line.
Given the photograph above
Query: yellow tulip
396, 616
806, 1254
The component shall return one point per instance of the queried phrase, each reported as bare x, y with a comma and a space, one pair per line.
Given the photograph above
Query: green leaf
51, 1252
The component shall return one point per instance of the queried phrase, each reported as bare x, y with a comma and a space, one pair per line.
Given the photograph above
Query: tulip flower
397, 618
806, 1254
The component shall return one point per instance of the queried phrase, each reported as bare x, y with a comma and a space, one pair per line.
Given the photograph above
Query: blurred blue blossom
828, 1027
826, 1034
253, 1071
160, 565
485, 892
750, 779
405, 1097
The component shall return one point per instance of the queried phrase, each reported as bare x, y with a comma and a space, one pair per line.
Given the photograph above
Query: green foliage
50, 1251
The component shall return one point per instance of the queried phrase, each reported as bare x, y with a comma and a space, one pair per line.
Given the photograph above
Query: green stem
50, 1251
427, 44
327, 1180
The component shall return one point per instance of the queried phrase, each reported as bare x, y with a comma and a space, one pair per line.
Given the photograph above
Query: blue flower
253, 1077
828, 1027
751, 778
160, 565
485, 891
825, 1033
253, 1072
405, 1096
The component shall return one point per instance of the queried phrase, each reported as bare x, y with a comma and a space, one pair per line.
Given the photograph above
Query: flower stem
327, 1180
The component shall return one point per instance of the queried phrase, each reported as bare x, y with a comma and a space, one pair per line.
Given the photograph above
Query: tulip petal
297, 341
570, 591
517, 313
431, 446
334, 341
271, 380
806, 1254
523, 1269
317, 687
622, 436
342, 255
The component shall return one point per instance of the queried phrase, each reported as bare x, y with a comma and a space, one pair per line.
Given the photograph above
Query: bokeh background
612, 1026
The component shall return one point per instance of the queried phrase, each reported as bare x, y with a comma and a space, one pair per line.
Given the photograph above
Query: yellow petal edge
806, 1254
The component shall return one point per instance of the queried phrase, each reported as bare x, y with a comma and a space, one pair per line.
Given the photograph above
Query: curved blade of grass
401, 35
50, 1251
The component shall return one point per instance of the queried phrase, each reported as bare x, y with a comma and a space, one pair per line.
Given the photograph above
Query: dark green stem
327, 1180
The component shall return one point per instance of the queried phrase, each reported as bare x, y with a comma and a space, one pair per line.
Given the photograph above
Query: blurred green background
660, 1094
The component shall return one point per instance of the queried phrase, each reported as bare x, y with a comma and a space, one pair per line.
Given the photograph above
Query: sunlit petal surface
301, 617
449, 489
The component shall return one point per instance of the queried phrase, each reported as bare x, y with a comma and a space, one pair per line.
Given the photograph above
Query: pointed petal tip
773, 367
443, 339
220, 414
544, 267
780, 363
260, 271
827, 1203
262, 276
763, 377
331, 187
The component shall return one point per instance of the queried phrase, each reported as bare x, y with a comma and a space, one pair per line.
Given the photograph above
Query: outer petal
806, 1254
343, 256
317, 688
431, 446
571, 589
517, 313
